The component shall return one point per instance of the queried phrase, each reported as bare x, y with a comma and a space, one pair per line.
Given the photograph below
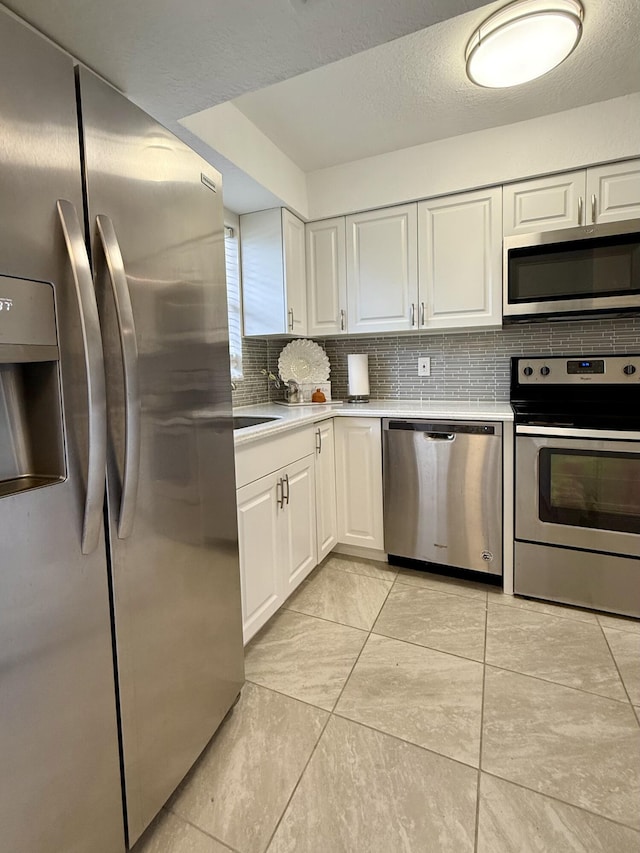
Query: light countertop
297, 416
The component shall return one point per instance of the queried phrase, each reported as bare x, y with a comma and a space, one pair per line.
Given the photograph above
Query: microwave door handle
94, 366
129, 348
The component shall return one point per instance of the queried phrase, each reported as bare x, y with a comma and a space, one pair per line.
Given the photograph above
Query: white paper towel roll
358, 370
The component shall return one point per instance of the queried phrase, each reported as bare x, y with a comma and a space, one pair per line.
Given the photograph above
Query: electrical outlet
424, 366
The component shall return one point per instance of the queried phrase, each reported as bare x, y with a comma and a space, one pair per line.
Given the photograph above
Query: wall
464, 365
608, 130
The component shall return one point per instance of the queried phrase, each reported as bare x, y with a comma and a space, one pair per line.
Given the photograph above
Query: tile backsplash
470, 365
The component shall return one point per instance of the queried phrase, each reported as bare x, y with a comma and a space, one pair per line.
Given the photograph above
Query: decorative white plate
304, 361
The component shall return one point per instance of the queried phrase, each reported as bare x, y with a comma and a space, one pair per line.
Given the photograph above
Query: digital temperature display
577, 366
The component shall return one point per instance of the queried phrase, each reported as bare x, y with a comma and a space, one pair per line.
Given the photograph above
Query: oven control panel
595, 370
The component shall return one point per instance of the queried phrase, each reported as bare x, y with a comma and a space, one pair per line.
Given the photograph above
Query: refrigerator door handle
94, 364
129, 348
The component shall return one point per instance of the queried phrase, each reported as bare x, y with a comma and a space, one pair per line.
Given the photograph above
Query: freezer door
156, 221
60, 786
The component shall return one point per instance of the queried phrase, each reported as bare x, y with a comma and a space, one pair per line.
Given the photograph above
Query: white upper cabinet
544, 204
613, 192
273, 273
326, 277
295, 274
609, 193
382, 270
460, 260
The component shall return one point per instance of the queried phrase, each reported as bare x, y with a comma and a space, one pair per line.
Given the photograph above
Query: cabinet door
263, 294
298, 520
460, 251
295, 275
260, 564
359, 482
544, 204
613, 192
326, 277
326, 518
382, 270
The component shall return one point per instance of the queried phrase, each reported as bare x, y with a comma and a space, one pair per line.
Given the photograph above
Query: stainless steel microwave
585, 271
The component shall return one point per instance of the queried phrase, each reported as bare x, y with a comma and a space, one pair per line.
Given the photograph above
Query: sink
241, 422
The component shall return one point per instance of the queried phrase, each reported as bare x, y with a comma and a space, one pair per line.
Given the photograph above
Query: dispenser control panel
27, 313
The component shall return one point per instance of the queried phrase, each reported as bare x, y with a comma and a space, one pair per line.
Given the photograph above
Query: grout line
558, 684
615, 663
484, 681
299, 780
324, 728
562, 802
544, 613
443, 591
429, 648
287, 696
412, 743
616, 627
322, 619
199, 828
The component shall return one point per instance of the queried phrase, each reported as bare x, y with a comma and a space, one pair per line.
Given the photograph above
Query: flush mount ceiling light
523, 41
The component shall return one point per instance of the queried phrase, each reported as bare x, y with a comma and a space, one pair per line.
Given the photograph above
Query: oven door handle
577, 432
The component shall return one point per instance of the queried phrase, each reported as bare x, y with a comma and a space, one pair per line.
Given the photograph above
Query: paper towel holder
358, 378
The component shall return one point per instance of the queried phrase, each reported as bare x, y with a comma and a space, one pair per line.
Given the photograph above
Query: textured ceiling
389, 73
415, 89
177, 57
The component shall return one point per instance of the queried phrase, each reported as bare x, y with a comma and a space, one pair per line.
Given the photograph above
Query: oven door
578, 488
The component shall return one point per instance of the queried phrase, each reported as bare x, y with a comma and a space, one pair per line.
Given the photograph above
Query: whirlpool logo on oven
6, 304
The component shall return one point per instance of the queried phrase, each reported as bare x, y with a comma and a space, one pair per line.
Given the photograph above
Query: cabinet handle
413, 314
318, 441
593, 208
290, 314
342, 323
422, 314
280, 499
580, 210
285, 496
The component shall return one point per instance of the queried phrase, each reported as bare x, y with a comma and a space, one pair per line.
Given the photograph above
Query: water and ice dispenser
31, 435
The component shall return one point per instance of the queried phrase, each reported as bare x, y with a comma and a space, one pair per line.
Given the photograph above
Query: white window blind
233, 301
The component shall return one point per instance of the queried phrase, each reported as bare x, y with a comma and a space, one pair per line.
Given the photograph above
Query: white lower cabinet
276, 538
259, 545
326, 516
359, 482
298, 523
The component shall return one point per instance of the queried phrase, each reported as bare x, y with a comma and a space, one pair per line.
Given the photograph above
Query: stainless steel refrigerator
120, 617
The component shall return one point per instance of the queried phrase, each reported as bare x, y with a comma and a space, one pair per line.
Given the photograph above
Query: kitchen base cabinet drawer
260, 458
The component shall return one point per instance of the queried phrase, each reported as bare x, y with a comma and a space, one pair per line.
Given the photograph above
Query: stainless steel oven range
577, 480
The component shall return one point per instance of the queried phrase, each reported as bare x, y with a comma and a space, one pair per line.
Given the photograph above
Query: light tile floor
394, 711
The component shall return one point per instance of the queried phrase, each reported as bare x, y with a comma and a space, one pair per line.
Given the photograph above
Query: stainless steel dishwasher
443, 492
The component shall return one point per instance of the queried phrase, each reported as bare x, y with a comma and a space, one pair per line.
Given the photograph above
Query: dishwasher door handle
439, 436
